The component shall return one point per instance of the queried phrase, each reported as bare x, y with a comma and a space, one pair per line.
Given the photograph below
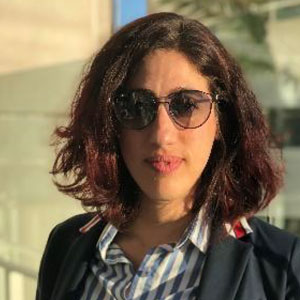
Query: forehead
163, 71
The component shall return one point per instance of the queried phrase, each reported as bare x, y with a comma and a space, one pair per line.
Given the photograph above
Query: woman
170, 146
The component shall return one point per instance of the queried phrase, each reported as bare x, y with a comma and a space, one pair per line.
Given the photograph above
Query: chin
159, 187
166, 192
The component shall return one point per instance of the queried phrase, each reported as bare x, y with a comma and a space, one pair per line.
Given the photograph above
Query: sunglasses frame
166, 102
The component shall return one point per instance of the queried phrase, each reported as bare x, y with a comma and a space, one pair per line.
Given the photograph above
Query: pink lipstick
164, 164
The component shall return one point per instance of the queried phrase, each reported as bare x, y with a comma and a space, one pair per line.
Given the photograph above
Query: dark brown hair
241, 176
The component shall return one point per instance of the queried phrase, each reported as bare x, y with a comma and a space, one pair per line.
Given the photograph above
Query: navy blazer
264, 265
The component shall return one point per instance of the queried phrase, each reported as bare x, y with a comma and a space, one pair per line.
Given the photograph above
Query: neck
161, 221
161, 212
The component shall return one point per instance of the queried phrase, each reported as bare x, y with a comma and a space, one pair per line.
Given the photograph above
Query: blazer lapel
75, 264
223, 269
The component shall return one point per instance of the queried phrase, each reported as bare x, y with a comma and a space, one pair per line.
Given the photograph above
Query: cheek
198, 147
201, 139
130, 145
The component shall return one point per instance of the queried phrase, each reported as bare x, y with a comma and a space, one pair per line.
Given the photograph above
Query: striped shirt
169, 271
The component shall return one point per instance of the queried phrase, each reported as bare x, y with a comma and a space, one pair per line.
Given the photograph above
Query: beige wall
44, 46
43, 33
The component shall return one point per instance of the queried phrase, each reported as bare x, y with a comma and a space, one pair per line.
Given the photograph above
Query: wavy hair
242, 175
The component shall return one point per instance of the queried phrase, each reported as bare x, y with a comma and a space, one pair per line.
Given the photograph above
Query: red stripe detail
239, 230
90, 224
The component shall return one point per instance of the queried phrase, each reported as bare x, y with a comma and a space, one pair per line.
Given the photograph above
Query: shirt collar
197, 232
106, 239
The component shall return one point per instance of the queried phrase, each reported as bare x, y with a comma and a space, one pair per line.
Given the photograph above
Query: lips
164, 164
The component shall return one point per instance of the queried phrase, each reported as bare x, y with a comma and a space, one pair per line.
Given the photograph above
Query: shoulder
270, 237
71, 226
63, 234
59, 241
279, 254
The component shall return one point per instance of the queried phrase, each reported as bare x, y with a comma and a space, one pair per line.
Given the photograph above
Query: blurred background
44, 48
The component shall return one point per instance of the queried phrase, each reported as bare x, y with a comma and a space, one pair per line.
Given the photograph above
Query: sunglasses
136, 109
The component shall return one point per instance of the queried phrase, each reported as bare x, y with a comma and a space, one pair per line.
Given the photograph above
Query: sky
128, 10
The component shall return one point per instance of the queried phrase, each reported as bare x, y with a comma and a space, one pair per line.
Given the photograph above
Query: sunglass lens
135, 109
190, 109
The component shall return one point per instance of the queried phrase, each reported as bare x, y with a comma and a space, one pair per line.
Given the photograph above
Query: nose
162, 130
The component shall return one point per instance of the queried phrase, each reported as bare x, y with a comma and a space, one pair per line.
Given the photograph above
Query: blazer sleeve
293, 274
48, 269
59, 242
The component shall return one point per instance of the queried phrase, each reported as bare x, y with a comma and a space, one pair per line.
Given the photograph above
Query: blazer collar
74, 268
223, 269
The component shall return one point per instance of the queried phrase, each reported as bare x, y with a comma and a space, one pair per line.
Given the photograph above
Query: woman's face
164, 159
